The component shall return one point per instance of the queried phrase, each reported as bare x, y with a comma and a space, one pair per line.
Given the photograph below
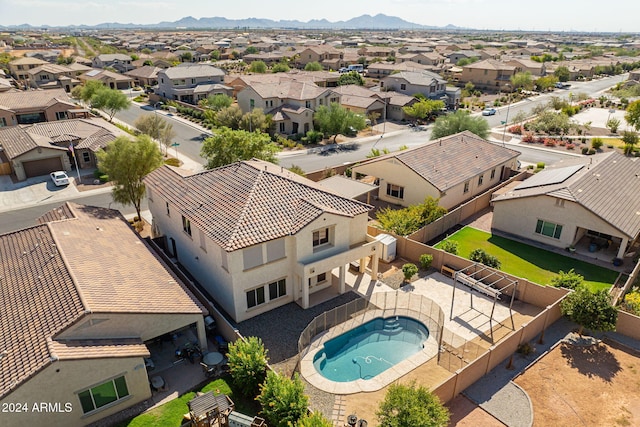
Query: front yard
529, 262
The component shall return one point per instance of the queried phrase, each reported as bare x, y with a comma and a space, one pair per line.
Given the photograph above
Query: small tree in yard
247, 365
569, 280
157, 128
630, 139
613, 124
590, 310
409, 270
314, 420
457, 122
126, 163
110, 101
450, 246
335, 120
227, 146
282, 400
425, 261
411, 406
481, 256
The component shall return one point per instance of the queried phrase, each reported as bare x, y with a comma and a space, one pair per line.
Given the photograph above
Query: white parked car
59, 178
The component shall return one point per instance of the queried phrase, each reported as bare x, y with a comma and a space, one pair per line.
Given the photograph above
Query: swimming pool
371, 348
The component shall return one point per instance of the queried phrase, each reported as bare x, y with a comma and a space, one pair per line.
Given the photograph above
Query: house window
548, 229
3, 122
480, 179
103, 394
168, 209
403, 86
186, 225
61, 115
307, 104
86, 158
466, 187
395, 191
320, 237
282, 127
255, 297
277, 289
321, 278
493, 173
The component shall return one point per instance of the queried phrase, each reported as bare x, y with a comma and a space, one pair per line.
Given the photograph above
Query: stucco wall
519, 217
62, 380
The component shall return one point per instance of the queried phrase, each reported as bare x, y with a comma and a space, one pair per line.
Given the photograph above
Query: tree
409, 270
630, 139
258, 67
282, 400
481, 256
457, 122
423, 109
216, 102
256, 121
613, 124
157, 128
89, 89
633, 114
110, 101
227, 146
450, 246
297, 170
148, 62
522, 80
127, 163
314, 420
186, 57
251, 50
410, 219
335, 119
313, 66
562, 73
247, 365
229, 117
280, 67
590, 310
569, 280
411, 406
545, 83
350, 78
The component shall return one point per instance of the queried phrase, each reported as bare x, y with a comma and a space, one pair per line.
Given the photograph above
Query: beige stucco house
429, 84
34, 106
328, 56
257, 236
453, 169
191, 82
19, 68
74, 326
593, 197
488, 74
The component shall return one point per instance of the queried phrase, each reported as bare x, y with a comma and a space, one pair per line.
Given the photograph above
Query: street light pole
506, 119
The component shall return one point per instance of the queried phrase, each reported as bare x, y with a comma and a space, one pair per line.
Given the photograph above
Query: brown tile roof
607, 185
139, 284
38, 300
33, 99
97, 349
58, 214
289, 90
452, 160
15, 141
248, 202
146, 71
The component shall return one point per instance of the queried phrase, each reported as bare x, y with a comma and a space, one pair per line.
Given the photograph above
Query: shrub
570, 280
247, 365
570, 146
540, 165
425, 261
526, 349
481, 256
585, 150
313, 137
282, 400
516, 130
596, 143
314, 420
411, 405
172, 161
450, 246
550, 142
528, 137
591, 152
409, 270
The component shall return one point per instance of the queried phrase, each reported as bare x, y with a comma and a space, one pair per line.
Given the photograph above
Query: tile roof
96, 74
52, 274
33, 99
50, 68
421, 78
249, 202
291, 89
38, 300
15, 141
192, 71
593, 186
146, 71
452, 160
490, 64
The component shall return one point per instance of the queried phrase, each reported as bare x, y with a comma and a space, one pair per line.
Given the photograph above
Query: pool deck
309, 372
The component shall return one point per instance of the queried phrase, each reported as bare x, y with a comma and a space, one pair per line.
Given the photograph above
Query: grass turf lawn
170, 414
529, 262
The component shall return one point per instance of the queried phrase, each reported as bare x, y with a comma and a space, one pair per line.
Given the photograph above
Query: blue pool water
371, 348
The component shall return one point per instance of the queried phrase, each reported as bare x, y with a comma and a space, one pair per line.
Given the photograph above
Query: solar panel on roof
549, 177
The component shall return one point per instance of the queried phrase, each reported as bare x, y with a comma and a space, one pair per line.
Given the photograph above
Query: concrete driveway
32, 191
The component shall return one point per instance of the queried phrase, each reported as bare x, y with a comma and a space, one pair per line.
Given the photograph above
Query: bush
528, 137
516, 130
282, 400
540, 165
450, 246
591, 152
585, 150
313, 137
425, 261
481, 256
409, 270
570, 280
247, 365
570, 146
596, 143
526, 349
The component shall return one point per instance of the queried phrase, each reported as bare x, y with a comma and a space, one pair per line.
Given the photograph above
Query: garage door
42, 167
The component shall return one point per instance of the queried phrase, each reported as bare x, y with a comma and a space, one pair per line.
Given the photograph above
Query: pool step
391, 326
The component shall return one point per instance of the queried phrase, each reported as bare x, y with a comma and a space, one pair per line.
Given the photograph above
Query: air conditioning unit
388, 253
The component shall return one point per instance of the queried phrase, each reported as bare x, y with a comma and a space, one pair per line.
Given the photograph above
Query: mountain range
363, 22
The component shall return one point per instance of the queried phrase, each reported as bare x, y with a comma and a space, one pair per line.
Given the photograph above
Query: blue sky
556, 15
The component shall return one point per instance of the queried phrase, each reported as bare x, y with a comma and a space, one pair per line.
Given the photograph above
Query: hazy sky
558, 15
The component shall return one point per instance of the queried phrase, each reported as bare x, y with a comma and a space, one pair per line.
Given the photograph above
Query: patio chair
209, 371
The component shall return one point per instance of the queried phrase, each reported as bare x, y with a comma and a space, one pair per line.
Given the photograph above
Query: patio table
213, 358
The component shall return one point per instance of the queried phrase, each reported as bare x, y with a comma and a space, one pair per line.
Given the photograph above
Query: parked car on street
59, 178
489, 112
562, 85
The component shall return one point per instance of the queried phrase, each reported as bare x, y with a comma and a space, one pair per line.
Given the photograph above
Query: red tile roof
249, 202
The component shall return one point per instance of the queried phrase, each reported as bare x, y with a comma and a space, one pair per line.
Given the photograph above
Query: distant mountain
364, 22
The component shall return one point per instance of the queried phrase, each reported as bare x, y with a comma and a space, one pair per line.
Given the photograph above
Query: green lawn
170, 414
529, 262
